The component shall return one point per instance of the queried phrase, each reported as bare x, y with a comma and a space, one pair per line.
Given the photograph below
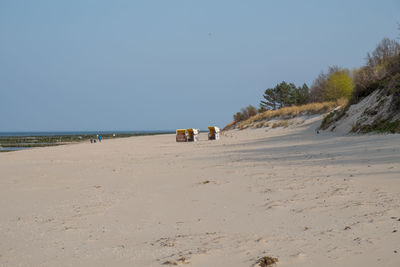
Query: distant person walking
100, 138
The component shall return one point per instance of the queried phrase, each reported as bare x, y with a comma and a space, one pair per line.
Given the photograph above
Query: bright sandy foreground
308, 199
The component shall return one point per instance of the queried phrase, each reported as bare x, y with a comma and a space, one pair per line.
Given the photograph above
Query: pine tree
303, 95
270, 99
283, 92
292, 95
284, 95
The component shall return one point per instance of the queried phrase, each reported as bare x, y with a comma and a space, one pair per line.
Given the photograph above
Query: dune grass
286, 113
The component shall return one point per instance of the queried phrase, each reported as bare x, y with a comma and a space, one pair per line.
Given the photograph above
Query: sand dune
308, 199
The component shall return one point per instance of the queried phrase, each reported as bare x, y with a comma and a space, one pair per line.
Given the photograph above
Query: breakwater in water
13, 141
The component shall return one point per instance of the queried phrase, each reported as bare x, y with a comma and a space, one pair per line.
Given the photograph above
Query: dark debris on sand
182, 260
266, 261
169, 263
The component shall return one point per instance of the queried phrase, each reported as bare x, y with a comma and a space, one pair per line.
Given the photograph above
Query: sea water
17, 136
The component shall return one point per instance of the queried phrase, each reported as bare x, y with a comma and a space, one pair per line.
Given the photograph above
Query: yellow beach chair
193, 135
181, 135
213, 133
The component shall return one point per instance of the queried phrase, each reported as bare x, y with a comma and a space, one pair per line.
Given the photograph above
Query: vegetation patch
380, 127
382, 71
283, 123
261, 119
326, 122
334, 116
259, 125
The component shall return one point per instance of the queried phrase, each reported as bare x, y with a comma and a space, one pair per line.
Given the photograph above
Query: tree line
332, 85
283, 95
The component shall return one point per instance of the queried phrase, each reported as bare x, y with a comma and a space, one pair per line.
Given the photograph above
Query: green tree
300, 95
339, 84
283, 91
270, 100
333, 85
303, 95
284, 94
292, 96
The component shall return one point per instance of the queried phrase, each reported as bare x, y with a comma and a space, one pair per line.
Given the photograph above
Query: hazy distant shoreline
64, 133
13, 141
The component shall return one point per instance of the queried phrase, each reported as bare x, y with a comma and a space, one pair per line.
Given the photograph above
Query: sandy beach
307, 199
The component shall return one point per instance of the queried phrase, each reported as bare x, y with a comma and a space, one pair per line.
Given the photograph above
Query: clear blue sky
146, 65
